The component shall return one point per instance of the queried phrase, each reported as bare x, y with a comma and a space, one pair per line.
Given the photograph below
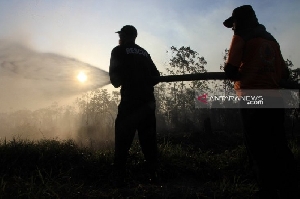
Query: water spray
29, 78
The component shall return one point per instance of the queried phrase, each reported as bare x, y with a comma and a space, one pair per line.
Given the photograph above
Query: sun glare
81, 77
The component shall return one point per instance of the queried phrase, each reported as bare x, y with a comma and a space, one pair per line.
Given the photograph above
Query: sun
81, 77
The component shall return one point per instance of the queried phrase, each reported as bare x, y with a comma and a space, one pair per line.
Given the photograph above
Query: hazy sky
85, 29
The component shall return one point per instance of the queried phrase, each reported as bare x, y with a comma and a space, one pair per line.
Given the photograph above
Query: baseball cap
128, 30
242, 13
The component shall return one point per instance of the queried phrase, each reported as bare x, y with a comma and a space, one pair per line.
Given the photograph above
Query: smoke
31, 79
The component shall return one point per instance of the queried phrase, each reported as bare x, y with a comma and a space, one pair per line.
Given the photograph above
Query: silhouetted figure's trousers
135, 116
267, 146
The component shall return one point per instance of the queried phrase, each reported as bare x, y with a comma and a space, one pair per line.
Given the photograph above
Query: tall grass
64, 169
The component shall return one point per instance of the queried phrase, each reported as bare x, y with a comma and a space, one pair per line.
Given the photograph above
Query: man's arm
115, 68
234, 58
153, 71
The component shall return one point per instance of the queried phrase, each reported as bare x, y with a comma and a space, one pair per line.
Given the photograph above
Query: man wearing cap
132, 69
255, 62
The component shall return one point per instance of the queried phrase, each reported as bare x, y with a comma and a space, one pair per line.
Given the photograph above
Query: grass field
191, 166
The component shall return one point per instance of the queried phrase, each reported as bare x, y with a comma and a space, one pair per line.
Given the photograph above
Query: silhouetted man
255, 62
132, 68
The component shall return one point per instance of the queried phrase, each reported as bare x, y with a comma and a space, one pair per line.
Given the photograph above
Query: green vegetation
191, 166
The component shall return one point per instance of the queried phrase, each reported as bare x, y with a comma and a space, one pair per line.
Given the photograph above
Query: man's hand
232, 72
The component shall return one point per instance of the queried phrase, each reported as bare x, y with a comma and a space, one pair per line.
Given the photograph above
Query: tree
98, 109
180, 104
294, 73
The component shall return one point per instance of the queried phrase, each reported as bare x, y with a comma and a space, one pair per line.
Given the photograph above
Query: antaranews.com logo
247, 99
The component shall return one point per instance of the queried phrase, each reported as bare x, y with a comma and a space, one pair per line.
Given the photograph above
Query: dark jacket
132, 68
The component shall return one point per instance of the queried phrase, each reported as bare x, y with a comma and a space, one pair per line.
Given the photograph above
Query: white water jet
31, 79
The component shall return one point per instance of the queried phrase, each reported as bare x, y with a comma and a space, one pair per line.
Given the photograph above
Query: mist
31, 79
37, 90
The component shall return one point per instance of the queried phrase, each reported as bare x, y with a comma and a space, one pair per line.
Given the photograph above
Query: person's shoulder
257, 32
144, 50
118, 50
138, 46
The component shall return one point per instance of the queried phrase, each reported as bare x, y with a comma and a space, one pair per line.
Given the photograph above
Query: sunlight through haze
29, 78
